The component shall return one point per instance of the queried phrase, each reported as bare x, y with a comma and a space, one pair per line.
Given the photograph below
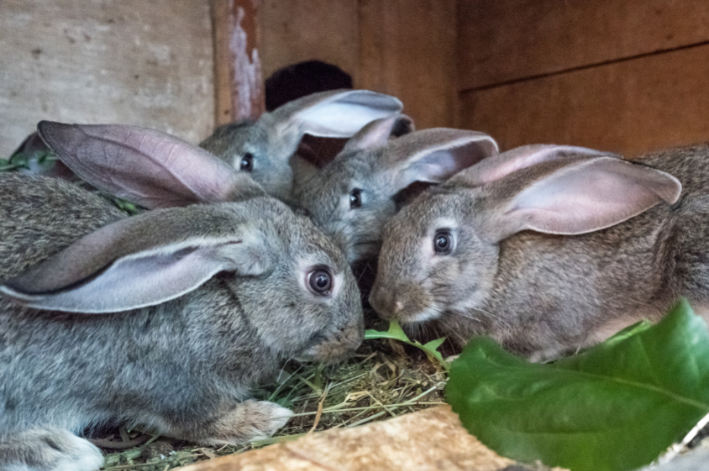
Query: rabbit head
453, 255
264, 148
160, 171
293, 285
353, 196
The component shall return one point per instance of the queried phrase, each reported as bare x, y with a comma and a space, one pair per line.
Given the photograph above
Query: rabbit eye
247, 162
355, 198
320, 281
443, 242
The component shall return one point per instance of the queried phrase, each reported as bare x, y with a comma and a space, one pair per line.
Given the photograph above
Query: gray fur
539, 294
184, 366
381, 167
273, 139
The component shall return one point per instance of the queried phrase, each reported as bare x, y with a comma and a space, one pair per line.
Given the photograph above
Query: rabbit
352, 197
164, 319
549, 249
265, 148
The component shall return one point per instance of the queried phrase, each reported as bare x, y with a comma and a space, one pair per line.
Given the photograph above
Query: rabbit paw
250, 420
48, 450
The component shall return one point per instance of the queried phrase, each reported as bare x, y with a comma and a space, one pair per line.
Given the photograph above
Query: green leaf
434, 344
616, 406
629, 331
395, 332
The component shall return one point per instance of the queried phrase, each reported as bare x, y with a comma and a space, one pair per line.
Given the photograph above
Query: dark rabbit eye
320, 281
247, 162
443, 242
355, 198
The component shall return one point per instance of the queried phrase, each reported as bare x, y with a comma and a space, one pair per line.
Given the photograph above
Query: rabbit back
40, 216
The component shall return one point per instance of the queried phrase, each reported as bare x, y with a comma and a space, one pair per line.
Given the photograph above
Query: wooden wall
626, 76
402, 47
135, 62
152, 63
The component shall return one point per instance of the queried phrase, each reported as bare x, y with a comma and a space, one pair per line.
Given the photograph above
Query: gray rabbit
352, 197
165, 319
550, 248
265, 148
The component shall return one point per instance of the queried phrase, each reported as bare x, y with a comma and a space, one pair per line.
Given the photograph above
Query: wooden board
402, 47
625, 107
238, 83
114, 61
299, 30
407, 49
423, 441
505, 40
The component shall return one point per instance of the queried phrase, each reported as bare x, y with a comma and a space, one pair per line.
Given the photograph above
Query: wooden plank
626, 107
239, 90
299, 30
425, 440
505, 40
132, 62
407, 49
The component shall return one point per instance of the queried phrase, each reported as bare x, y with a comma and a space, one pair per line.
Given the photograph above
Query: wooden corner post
238, 82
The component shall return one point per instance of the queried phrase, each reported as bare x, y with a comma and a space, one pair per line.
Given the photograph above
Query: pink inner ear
594, 195
373, 135
439, 166
441, 163
132, 283
148, 167
339, 114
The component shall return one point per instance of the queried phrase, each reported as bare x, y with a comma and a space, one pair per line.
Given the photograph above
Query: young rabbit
164, 319
265, 148
550, 248
352, 197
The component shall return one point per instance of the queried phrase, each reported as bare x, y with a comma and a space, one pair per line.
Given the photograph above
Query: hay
383, 379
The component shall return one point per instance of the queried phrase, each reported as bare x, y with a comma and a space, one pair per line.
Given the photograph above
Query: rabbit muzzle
407, 304
337, 345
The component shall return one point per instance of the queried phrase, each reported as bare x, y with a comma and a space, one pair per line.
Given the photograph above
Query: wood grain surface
428, 440
505, 40
627, 107
133, 62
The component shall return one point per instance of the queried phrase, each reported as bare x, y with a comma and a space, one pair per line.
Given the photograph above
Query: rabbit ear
434, 155
339, 113
585, 196
377, 133
142, 261
490, 170
148, 167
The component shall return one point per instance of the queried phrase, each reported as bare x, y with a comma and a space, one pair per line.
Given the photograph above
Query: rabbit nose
385, 303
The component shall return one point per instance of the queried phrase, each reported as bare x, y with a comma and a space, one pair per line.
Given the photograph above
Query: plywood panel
299, 30
144, 63
504, 40
626, 107
407, 48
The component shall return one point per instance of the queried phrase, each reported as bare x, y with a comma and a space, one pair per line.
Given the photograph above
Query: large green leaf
616, 406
